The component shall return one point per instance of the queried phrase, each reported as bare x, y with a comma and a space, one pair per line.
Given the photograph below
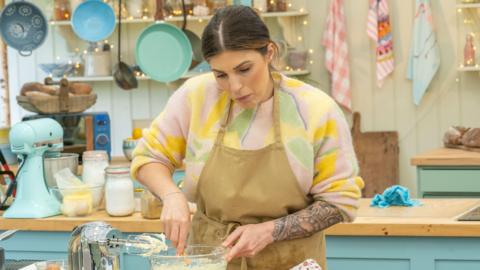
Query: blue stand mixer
30, 140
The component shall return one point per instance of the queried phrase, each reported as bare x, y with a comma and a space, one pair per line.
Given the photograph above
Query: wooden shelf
186, 76
472, 5
466, 69
296, 72
194, 18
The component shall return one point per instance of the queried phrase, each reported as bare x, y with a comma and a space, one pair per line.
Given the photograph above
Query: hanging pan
194, 40
93, 20
123, 74
163, 51
23, 26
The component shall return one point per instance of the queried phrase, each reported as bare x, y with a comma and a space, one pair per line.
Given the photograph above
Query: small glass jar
260, 5
216, 4
151, 205
200, 8
282, 5
173, 8
138, 193
62, 10
119, 193
135, 8
93, 173
271, 5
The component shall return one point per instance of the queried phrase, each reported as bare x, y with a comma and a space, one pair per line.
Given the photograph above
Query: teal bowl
93, 20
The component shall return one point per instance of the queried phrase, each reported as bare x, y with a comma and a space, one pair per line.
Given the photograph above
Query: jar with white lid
94, 164
119, 192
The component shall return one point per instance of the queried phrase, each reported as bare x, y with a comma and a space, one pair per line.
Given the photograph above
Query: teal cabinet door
370, 264
402, 253
448, 182
455, 264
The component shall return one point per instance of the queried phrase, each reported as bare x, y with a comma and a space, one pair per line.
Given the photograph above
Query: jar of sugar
94, 164
119, 192
93, 173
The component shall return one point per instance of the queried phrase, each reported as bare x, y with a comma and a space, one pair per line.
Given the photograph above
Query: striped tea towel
336, 54
379, 30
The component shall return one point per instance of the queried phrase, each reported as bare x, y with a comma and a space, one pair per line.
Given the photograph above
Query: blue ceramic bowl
93, 20
58, 69
23, 26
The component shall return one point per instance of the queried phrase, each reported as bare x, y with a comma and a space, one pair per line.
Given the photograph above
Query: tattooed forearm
316, 217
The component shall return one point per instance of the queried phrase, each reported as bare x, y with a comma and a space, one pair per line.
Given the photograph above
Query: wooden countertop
436, 217
133, 223
447, 157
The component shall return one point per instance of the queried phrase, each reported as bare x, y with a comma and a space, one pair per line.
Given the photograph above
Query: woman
268, 159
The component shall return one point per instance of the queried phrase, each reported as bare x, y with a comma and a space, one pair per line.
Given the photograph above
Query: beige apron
239, 187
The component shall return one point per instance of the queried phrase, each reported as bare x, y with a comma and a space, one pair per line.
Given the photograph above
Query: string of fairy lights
174, 17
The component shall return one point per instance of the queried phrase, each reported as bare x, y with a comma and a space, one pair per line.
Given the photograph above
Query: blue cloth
394, 195
424, 58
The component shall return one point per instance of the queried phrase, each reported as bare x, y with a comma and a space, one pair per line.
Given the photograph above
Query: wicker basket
64, 103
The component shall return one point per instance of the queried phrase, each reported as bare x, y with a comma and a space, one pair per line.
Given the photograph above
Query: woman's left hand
248, 240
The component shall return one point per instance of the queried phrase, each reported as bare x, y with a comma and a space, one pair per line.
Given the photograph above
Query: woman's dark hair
235, 28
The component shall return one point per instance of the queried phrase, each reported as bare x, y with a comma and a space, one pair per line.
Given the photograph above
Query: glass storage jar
94, 164
200, 8
93, 174
260, 5
119, 193
62, 10
173, 8
151, 205
138, 193
216, 4
282, 5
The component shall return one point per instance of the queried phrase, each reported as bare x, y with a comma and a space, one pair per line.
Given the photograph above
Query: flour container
119, 192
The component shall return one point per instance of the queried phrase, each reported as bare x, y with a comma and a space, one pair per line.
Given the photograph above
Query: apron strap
276, 114
223, 126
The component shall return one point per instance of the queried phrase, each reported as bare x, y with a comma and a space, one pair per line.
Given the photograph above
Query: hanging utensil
123, 74
163, 51
23, 27
195, 41
93, 20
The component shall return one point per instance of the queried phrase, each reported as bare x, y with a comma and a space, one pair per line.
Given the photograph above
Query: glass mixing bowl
79, 201
196, 257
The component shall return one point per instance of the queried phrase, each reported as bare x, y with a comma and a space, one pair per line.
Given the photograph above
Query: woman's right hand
175, 219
